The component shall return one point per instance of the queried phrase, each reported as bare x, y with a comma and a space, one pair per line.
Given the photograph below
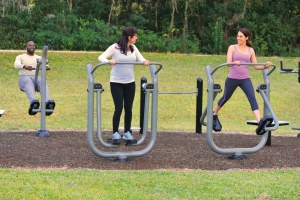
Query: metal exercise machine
96, 88
266, 125
287, 70
198, 92
41, 65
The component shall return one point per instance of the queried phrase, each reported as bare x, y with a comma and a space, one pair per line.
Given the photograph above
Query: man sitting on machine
26, 64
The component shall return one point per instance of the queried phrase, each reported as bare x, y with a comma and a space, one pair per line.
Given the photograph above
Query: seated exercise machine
289, 70
265, 126
46, 108
96, 88
286, 70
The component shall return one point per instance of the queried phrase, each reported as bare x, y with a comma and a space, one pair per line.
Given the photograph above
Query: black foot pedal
115, 141
50, 105
35, 104
264, 122
129, 142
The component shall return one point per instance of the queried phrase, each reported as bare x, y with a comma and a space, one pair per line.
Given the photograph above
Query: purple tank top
240, 72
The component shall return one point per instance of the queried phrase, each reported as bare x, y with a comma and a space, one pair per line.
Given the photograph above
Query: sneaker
116, 136
260, 130
35, 104
127, 136
217, 126
50, 105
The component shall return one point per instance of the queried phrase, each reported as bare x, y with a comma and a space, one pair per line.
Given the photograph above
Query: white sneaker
128, 136
116, 136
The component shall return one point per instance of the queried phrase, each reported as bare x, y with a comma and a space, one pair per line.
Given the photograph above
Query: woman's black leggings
122, 92
245, 85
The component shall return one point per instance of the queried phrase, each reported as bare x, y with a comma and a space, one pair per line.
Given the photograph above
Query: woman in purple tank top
238, 76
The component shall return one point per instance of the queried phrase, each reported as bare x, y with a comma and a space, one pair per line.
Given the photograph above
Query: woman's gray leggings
245, 84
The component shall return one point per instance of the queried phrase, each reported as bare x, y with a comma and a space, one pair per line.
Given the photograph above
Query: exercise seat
264, 122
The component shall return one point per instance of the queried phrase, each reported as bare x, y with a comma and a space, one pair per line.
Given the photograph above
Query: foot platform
121, 140
115, 141
50, 105
128, 142
35, 104
264, 122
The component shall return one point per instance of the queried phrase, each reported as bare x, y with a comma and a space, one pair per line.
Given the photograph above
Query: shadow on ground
173, 150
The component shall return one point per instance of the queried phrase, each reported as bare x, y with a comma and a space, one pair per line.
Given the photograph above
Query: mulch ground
172, 151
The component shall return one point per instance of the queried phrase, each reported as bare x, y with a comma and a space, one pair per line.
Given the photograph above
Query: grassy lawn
67, 81
95, 184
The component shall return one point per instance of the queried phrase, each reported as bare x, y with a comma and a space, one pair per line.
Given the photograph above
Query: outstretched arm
254, 60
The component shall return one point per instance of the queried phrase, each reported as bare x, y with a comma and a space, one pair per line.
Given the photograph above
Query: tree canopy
185, 26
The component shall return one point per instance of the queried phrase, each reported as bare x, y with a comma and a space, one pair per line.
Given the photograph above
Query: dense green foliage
187, 26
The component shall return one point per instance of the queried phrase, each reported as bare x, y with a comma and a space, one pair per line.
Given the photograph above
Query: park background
183, 26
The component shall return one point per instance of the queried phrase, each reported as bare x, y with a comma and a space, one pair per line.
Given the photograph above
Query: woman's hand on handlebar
112, 62
146, 62
238, 63
268, 65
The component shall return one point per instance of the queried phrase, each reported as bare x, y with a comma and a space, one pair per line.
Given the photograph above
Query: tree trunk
110, 12
185, 17
172, 17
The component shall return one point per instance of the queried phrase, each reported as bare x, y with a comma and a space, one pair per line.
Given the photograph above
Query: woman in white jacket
122, 82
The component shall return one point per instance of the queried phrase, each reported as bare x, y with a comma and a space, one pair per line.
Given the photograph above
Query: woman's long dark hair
122, 43
246, 33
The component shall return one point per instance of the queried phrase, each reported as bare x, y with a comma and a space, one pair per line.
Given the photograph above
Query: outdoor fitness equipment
97, 88
43, 62
286, 70
198, 93
263, 89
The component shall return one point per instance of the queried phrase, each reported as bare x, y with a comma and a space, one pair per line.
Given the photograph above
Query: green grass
67, 81
95, 184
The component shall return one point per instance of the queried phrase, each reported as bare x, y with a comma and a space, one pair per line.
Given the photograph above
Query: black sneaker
217, 126
35, 104
50, 105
